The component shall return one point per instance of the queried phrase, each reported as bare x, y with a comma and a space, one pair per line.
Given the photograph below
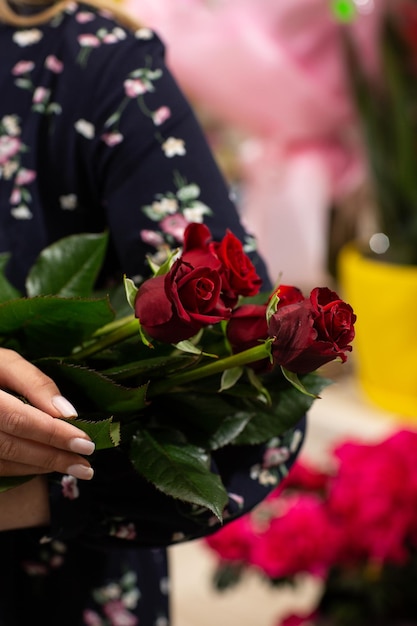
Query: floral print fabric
94, 135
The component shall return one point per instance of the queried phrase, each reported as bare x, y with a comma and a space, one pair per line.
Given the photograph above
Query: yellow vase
384, 298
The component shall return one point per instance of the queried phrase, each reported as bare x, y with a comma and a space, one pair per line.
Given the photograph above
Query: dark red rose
238, 272
175, 306
312, 332
247, 326
197, 249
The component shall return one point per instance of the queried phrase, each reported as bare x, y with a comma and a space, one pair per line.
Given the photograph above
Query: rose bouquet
352, 526
193, 359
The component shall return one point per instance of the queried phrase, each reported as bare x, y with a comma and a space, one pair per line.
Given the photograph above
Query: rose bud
175, 306
197, 247
312, 332
288, 294
238, 274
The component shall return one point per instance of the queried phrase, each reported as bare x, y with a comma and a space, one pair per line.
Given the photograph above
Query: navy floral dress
94, 135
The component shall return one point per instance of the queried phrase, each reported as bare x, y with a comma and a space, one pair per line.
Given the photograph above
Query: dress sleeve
145, 150
146, 153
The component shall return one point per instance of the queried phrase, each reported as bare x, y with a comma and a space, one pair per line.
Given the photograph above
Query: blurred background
310, 108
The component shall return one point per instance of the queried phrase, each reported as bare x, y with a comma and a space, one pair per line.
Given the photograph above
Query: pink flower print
24, 176
112, 139
40, 95
175, 226
69, 487
134, 87
54, 64
88, 41
9, 147
83, 17
110, 38
91, 618
118, 615
161, 115
15, 196
125, 531
151, 238
34, 569
22, 67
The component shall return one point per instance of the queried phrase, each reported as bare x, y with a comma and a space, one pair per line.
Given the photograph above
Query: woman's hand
32, 440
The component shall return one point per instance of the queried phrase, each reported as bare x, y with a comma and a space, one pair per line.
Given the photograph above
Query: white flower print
174, 147
143, 33
68, 202
119, 33
196, 212
70, 487
28, 37
165, 206
22, 212
86, 129
296, 440
11, 125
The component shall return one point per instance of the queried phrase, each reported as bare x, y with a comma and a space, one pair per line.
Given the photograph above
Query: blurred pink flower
301, 538
374, 496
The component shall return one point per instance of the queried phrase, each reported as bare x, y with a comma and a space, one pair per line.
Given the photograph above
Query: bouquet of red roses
204, 360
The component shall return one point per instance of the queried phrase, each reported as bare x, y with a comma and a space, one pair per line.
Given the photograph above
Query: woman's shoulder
90, 34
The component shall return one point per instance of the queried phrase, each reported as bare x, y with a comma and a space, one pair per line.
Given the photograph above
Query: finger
24, 421
39, 459
24, 378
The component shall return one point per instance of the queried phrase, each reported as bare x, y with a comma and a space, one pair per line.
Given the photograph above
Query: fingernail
82, 446
64, 406
81, 471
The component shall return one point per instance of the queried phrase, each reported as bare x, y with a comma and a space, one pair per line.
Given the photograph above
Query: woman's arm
25, 506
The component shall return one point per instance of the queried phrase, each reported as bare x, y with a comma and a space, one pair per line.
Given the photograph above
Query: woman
94, 135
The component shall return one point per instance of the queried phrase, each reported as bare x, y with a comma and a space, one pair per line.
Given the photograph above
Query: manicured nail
81, 471
82, 446
64, 406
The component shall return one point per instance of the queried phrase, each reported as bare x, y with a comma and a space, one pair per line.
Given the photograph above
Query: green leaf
230, 377
52, 326
105, 394
178, 469
7, 291
294, 380
105, 433
287, 408
211, 420
130, 290
68, 267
